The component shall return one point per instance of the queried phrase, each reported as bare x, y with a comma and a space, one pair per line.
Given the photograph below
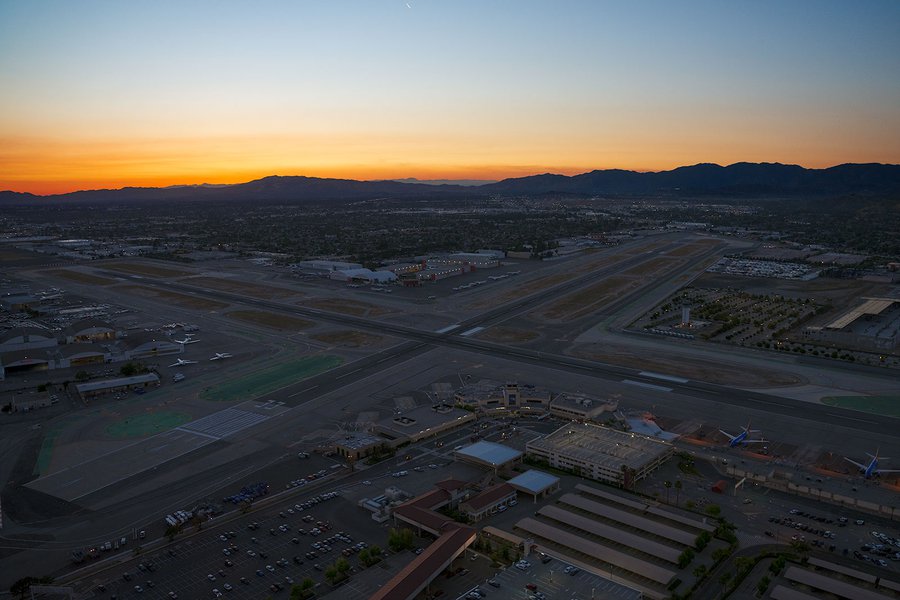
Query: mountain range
739, 179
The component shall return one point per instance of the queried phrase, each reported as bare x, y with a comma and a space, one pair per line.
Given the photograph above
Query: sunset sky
119, 92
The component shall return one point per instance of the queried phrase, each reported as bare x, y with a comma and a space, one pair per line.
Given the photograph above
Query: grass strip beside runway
46, 453
268, 380
148, 424
888, 406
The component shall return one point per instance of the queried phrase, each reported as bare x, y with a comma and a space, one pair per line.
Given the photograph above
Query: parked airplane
872, 468
741, 438
181, 362
220, 356
186, 340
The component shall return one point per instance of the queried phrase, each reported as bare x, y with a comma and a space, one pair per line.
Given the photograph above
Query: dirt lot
348, 338
507, 335
173, 297
693, 248
145, 269
267, 319
689, 368
349, 307
242, 287
654, 266
589, 299
529, 287
81, 277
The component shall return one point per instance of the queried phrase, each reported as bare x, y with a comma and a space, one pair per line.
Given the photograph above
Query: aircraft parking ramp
97, 473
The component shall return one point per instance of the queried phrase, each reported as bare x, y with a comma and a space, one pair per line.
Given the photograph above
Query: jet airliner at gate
741, 438
872, 468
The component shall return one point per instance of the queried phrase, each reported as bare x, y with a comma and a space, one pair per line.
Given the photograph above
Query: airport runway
421, 341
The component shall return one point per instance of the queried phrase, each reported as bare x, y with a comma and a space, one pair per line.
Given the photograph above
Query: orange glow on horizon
46, 166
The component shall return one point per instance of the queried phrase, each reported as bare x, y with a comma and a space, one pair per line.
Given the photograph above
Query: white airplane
220, 356
187, 340
181, 362
741, 438
872, 468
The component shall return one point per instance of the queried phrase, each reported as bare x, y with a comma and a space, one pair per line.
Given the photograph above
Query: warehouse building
26, 338
88, 331
601, 453
122, 384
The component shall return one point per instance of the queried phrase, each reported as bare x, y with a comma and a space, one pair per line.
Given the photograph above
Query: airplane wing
850, 460
756, 441
728, 435
880, 471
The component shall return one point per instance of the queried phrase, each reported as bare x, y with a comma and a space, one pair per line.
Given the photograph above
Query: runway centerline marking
301, 391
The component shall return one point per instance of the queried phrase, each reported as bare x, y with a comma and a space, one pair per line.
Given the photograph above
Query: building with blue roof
489, 454
536, 483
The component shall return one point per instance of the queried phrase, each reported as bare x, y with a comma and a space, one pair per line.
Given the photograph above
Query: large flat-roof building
601, 453
581, 407
488, 454
121, 384
422, 422
873, 325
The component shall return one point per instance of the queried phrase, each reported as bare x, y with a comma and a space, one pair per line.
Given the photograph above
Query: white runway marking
647, 385
472, 331
448, 328
661, 376
223, 423
301, 391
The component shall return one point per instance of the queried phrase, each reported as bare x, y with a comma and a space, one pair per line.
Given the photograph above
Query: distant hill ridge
737, 179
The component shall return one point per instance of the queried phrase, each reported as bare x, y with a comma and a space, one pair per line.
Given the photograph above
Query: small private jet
187, 340
181, 362
871, 469
741, 438
220, 356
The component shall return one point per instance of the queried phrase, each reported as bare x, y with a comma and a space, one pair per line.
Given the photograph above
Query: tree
720, 554
678, 486
700, 571
331, 574
763, 585
702, 541
82, 376
685, 558
129, 369
22, 586
400, 539
342, 566
713, 510
173, 530
725, 578
668, 485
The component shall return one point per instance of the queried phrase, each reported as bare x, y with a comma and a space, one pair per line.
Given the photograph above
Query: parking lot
248, 556
550, 580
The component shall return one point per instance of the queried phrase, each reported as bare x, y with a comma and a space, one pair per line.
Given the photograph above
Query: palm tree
678, 486
668, 486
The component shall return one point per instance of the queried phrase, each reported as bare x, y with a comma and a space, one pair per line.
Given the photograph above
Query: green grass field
46, 453
141, 425
888, 406
268, 380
